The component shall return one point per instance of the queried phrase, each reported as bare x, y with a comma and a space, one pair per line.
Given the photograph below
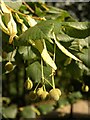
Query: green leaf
27, 52
46, 57
79, 25
65, 51
41, 46
74, 96
45, 108
75, 71
62, 102
34, 71
54, 13
10, 112
40, 31
64, 38
47, 72
84, 56
79, 44
28, 112
14, 4
81, 30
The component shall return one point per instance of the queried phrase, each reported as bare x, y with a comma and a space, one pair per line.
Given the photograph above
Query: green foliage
46, 47
10, 112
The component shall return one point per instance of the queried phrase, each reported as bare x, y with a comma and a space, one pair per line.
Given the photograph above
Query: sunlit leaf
65, 51
40, 31
9, 21
31, 21
79, 25
14, 4
77, 31
46, 57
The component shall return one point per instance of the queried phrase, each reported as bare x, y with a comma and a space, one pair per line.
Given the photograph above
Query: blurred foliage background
79, 10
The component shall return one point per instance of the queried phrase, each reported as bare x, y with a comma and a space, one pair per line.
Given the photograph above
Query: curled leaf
44, 53
9, 21
65, 51
4, 8
12, 27
46, 57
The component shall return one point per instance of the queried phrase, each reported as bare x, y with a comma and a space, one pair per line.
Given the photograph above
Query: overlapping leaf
77, 29
40, 31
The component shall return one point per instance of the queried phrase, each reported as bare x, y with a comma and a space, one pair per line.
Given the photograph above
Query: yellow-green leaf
65, 51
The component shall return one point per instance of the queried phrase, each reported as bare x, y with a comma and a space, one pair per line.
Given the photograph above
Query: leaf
31, 21
79, 44
65, 51
34, 71
19, 20
62, 102
2, 26
10, 112
41, 46
75, 71
4, 8
78, 25
40, 31
54, 13
84, 56
45, 108
12, 27
64, 38
11, 55
46, 57
9, 21
74, 96
14, 4
27, 52
47, 72
77, 31
28, 112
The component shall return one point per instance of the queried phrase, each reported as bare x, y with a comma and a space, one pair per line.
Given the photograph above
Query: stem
36, 87
42, 74
28, 7
48, 82
15, 11
53, 71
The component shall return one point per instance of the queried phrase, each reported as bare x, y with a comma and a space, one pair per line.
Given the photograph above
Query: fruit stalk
53, 71
43, 81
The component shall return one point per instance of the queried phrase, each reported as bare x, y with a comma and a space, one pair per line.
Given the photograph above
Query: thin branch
28, 7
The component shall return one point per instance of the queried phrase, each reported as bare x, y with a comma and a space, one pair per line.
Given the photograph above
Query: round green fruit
32, 95
9, 66
55, 94
28, 84
44, 95
85, 88
39, 91
58, 91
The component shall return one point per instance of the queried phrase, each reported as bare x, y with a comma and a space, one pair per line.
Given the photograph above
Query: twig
28, 7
